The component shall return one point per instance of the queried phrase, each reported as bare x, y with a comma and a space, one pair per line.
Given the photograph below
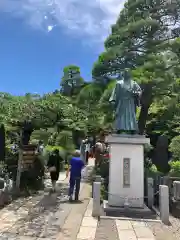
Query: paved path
45, 216
47, 182
112, 229
123, 230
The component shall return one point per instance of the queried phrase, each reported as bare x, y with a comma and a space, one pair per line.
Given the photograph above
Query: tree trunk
146, 101
2, 143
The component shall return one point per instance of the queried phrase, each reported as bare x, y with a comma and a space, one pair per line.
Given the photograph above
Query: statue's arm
137, 94
137, 90
113, 98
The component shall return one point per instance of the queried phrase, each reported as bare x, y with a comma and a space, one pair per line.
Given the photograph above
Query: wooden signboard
28, 157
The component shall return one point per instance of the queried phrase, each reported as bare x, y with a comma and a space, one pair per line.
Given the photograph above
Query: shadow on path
45, 218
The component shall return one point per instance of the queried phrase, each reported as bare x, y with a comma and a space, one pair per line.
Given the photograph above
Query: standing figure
87, 150
27, 131
99, 149
75, 167
54, 168
40, 147
125, 98
83, 151
2, 143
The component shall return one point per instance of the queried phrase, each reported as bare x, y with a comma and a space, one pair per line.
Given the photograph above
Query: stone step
131, 215
29, 147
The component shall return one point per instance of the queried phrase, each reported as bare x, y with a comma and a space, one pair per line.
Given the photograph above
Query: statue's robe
125, 97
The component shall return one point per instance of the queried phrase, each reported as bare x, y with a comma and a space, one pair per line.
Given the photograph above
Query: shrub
147, 149
49, 149
102, 169
65, 140
104, 193
11, 162
32, 178
152, 171
41, 135
66, 167
175, 149
175, 169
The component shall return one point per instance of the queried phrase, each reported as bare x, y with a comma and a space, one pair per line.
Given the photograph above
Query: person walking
83, 151
100, 148
54, 168
40, 147
75, 167
87, 150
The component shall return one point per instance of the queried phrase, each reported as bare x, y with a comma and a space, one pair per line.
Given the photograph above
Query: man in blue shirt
75, 168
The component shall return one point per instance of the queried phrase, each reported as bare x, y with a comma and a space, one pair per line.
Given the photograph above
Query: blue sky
40, 37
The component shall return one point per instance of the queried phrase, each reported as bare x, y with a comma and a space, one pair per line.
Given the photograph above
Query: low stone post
150, 192
164, 203
176, 190
161, 180
96, 179
2, 184
166, 181
96, 211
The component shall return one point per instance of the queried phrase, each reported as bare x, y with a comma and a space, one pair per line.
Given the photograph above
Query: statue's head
127, 74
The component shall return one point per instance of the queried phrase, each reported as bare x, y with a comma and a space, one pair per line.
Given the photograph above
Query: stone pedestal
126, 172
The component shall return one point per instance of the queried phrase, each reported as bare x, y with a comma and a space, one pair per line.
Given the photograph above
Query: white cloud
91, 19
50, 28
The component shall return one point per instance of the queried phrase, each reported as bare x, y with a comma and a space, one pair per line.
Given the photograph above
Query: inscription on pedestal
126, 172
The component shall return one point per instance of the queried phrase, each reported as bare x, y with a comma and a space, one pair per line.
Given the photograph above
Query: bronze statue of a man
125, 98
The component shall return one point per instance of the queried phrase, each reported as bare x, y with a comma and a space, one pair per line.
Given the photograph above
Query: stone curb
131, 219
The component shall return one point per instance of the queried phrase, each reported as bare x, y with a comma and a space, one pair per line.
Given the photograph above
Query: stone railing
175, 199
163, 199
6, 186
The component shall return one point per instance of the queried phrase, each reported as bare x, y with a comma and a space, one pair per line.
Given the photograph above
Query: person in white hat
75, 167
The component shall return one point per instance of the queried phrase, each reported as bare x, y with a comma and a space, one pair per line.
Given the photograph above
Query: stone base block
175, 208
143, 213
126, 171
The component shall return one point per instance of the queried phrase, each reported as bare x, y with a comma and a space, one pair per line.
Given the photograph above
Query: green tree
174, 148
71, 81
142, 31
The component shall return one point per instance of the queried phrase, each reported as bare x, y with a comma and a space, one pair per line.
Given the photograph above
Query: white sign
126, 172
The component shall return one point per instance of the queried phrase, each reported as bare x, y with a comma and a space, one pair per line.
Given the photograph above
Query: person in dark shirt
75, 168
54, 167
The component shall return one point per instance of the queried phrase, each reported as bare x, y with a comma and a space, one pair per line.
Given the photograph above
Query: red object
107, 155
90, 155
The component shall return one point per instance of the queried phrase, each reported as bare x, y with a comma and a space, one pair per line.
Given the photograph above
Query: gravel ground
164, 232
44, 216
